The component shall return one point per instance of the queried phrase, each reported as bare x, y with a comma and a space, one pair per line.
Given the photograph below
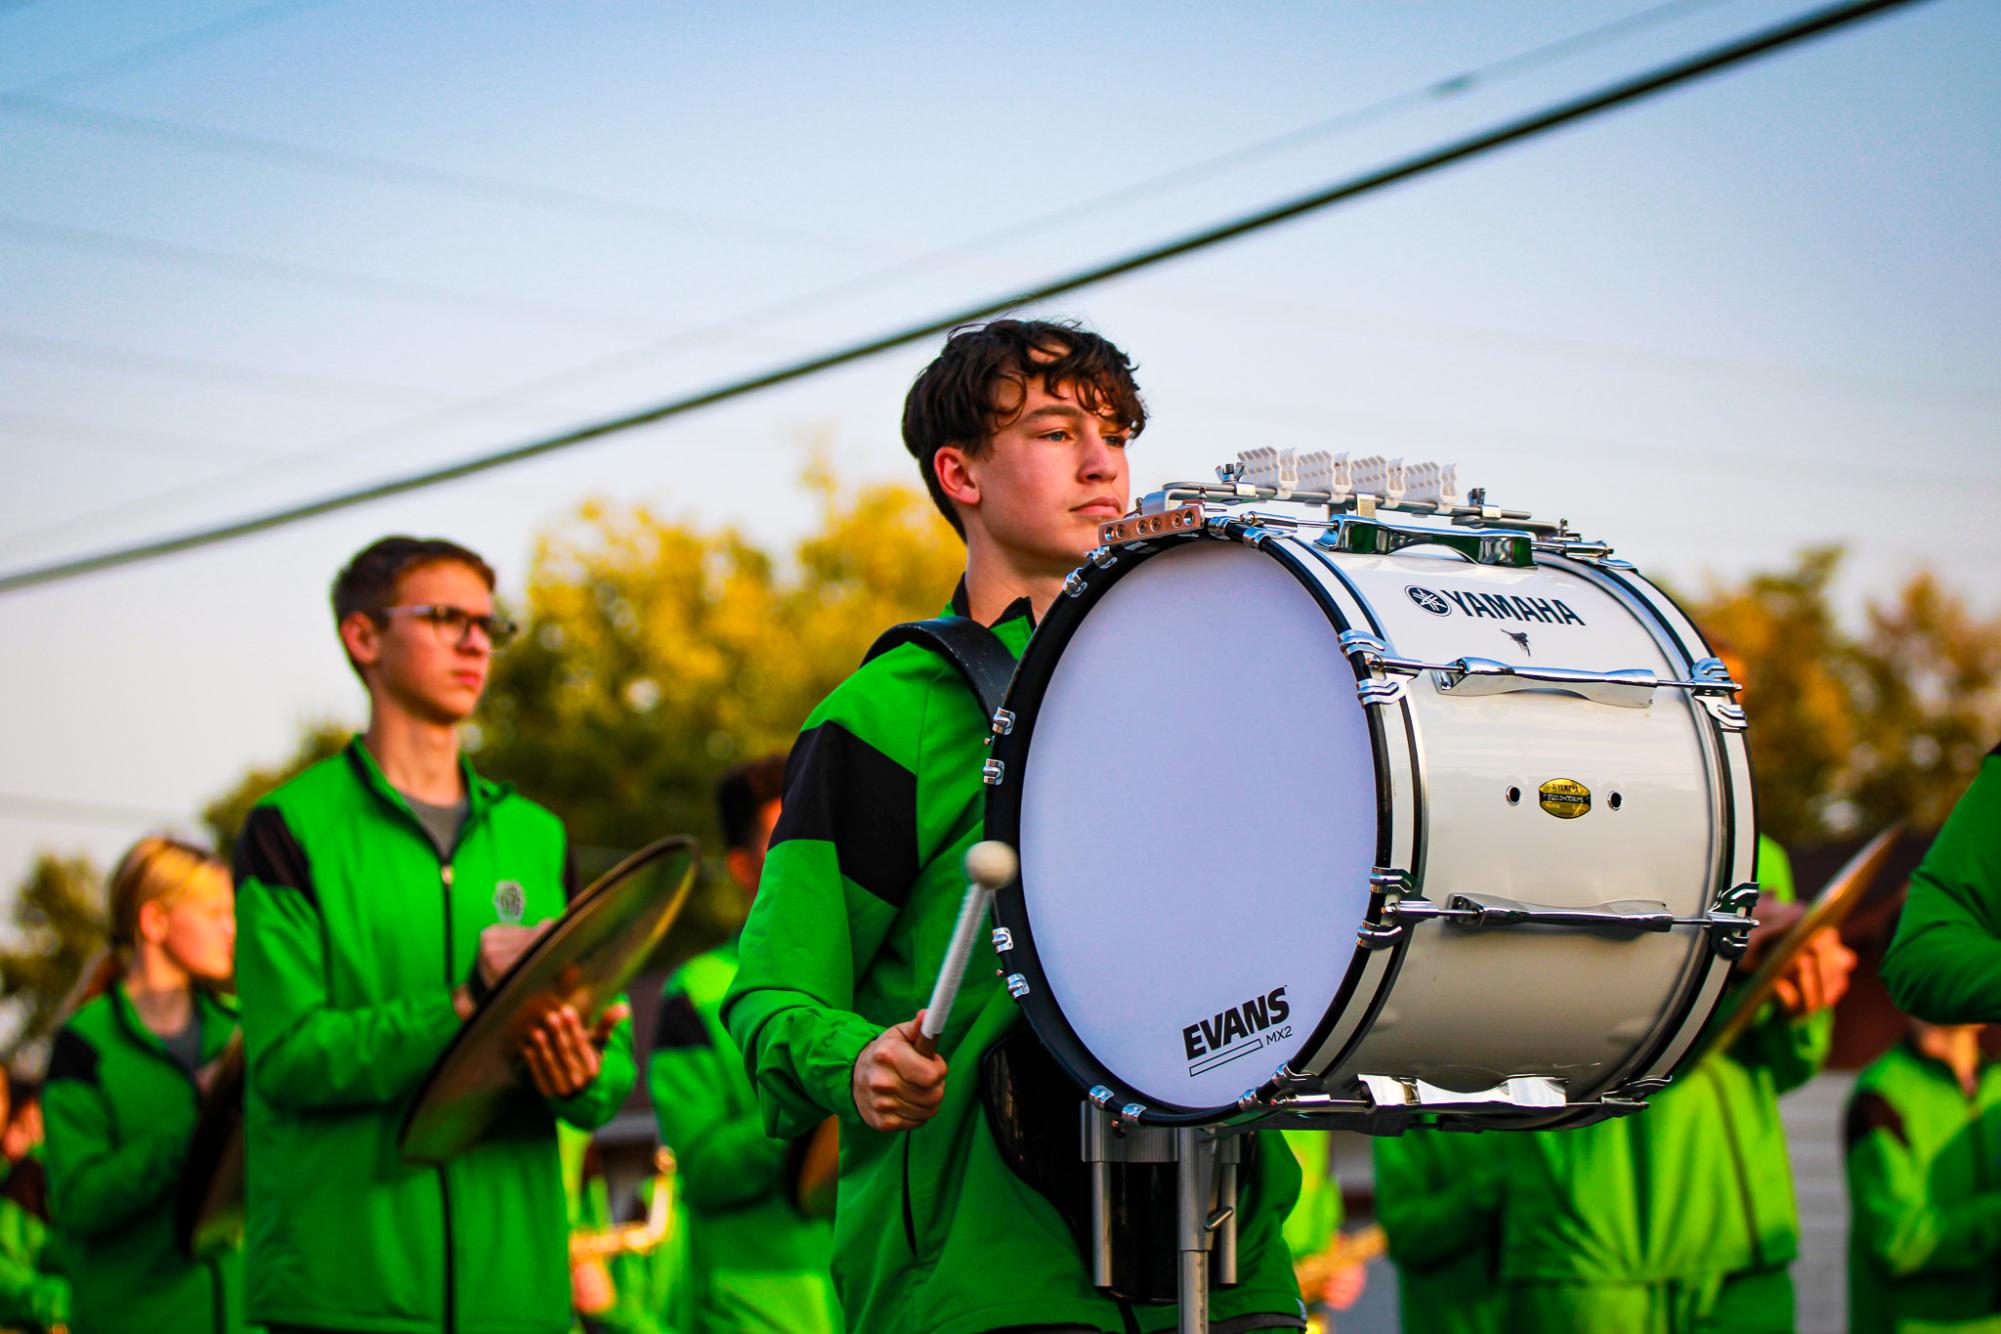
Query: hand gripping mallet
989, 866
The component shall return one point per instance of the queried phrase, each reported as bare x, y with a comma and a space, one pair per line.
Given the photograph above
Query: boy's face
421, 666
1047, 478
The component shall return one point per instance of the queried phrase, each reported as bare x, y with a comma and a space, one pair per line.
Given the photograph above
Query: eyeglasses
453, 625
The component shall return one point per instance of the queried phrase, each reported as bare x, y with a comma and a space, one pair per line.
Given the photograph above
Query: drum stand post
1207, 1165
1195, 1161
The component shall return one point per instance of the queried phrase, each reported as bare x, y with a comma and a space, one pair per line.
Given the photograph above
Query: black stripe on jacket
267, 850
842, 790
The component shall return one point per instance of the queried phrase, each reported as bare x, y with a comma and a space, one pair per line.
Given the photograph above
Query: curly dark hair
959, 399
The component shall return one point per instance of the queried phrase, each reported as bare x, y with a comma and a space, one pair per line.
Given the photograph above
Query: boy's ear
361, 637
953, 468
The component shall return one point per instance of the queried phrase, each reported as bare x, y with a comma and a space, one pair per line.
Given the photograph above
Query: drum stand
1207, 1162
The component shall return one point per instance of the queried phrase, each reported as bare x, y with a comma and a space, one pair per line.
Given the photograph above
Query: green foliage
1851, 731
656, 653
225, 815
59, 925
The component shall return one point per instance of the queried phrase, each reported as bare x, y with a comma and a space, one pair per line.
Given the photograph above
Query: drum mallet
989, 866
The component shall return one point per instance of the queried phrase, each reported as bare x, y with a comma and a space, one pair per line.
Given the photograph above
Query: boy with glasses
380, 894
1020, 428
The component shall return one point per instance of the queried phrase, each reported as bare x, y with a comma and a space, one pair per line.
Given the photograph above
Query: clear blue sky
1758, 312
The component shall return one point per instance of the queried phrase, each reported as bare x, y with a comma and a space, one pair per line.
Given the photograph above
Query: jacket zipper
444, 1184
909, 1215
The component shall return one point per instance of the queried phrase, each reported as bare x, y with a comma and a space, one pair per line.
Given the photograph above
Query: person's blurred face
416, 665
24, 1131
746, 865
197, 931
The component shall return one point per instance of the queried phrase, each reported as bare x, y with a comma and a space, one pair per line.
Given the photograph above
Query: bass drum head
1197, 824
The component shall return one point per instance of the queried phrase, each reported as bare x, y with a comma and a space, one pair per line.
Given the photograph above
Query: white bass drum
1462, 828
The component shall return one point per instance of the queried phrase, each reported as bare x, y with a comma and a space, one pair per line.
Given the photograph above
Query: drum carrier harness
1042, 1124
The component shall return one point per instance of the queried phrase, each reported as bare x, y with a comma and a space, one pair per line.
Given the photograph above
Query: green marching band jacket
1944, 965
353, 936
1693, 1190
934, 1231
1438, 1198
34, 1287
1924, 1185
34, 1291
754, 1264
121, 1112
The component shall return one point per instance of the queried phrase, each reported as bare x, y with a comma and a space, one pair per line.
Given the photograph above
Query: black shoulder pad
72, 1058
677, 1025
974, 650
1872, 1111
267, 851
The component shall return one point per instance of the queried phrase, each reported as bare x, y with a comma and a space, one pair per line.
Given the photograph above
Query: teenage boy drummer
379, 894
1021, 429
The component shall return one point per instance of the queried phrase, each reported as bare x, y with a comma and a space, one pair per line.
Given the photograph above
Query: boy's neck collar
419, 759
962, 605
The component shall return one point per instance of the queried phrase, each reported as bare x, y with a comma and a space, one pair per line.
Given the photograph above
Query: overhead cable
759, 316
351, 165
175, 255
145, 361
1772, 39
124, 62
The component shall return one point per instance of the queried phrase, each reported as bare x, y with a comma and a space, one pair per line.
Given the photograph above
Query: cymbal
583, 961
208, 1202
1830, 908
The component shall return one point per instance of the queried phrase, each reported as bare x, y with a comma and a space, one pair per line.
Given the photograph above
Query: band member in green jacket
1327, 1284
756, 1264
34, 1289
1682, 1216
125, 1081
1944, 965
1020, 428
1924, 1187
1439, 1198
382, 892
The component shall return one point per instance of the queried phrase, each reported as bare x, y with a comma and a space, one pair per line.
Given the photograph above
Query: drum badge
1565, 798
1428, 600
509, 903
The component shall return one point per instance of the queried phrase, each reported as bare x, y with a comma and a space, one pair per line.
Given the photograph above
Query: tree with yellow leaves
655, 653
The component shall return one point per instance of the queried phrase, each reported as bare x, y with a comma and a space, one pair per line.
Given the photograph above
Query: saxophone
1348, 1248
635, 1238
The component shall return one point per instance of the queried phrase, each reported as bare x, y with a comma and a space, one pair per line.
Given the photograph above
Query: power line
175, 255
1452, 85
342, 162
142, 361
23, 807
389, 171
140, 56
142, 439
1772, 39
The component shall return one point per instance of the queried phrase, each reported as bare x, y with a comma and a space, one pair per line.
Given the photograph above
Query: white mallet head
991, 864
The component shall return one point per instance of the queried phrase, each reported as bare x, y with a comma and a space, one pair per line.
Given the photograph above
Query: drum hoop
1412, 755
1732, 806
1003, 821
